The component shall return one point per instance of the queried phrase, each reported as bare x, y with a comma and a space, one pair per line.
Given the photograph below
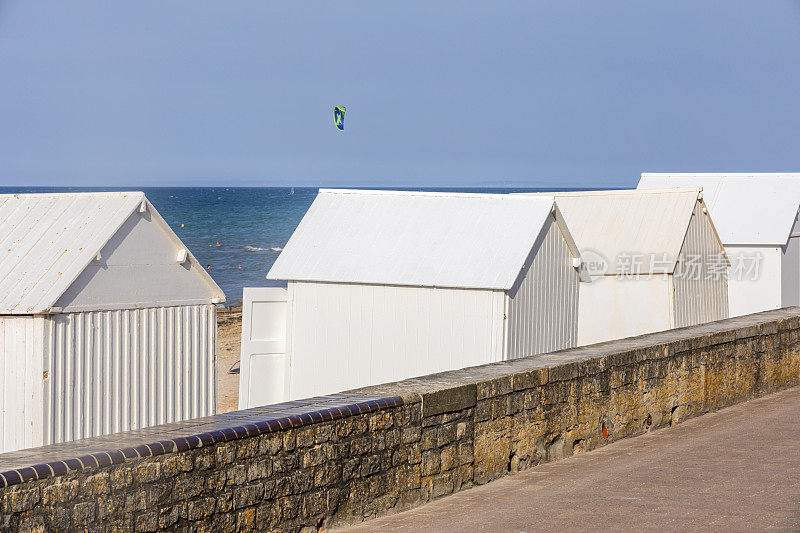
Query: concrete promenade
734, 470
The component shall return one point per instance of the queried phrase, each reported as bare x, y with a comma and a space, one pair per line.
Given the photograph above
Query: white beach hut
757, 219
655, 259
107, 322
386, 285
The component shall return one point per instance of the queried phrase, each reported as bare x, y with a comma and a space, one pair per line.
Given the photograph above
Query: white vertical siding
20, 382
701, 291
616, 307
753, 292
113, 371
350, 335
543, 304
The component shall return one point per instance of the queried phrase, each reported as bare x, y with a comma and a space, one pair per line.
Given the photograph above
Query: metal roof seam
44, 234
90, 254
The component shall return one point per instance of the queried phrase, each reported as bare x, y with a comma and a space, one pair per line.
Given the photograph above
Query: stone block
499, 386
530, 379
31, 523
57, 519
322, 433
448, 457
203, 458
306, 437
429, 437
465, 453
83, 513
370, 464
270, 444
58, 493
448, 399
169, 516
431, 463
246, 519
147, 472
136, 501
199, 509
411, 434
290, 438
188, 487
446, 434
442, 484
20, 499
301, 481
224, 523
110, 509
247, 495
236, 475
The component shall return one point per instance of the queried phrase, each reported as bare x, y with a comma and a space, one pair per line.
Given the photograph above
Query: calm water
251, 225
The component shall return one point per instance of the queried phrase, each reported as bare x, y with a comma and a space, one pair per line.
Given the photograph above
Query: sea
238, 232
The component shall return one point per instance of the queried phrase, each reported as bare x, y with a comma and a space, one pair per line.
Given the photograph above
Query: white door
263, 367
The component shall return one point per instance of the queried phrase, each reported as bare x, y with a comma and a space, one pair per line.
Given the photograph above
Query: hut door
262, 378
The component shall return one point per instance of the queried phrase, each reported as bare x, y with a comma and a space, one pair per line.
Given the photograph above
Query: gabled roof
757, 209
414, 238
47, 241
619, 225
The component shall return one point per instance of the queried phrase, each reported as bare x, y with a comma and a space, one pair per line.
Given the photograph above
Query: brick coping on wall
57, 459
439, 393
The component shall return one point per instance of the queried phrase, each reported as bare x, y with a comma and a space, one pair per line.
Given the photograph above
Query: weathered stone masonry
343, 458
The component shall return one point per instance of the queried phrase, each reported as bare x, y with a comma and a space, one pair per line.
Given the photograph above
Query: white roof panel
621, 225
746, 208
47, 241
412, 238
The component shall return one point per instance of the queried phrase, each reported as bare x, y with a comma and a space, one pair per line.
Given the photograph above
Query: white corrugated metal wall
543, 304
21, 341
111, 371
701, 288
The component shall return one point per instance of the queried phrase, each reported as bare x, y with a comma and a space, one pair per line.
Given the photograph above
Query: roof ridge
432, 194
77, 193
632, 192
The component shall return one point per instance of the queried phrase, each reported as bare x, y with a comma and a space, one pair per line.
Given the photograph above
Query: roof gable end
628, 229
747, 209
48, 240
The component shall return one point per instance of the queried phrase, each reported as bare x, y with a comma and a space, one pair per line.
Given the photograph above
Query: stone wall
344, 458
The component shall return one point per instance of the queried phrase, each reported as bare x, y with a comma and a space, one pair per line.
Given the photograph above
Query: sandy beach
229, 340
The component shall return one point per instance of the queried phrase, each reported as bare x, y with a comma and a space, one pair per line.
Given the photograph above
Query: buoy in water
240, 267
181, 225
218, 244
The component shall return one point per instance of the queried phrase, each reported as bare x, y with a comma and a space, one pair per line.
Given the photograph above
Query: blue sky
448, 93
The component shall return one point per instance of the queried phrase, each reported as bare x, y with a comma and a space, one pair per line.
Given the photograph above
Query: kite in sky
338, 116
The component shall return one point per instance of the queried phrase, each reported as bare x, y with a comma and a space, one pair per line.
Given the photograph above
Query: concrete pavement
734, 470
